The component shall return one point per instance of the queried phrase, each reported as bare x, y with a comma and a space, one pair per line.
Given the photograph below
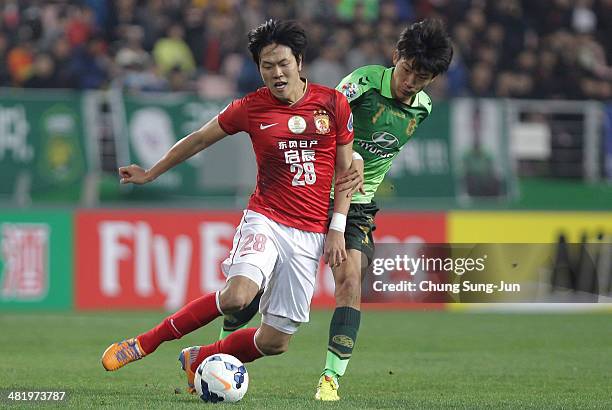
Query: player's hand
334, 252
133, 174
352, 180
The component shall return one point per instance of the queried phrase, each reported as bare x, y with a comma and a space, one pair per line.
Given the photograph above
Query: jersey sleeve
344, 121
358, 82
235, 117
425, 101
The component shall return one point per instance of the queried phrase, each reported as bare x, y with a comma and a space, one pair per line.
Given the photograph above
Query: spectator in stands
178, 80
194, 20
365, 53
351, 10
43, 73
546, 76
457, 77
327, 69
136, 73
603, 11
5, 78
19, 62
481, 80
80, 25
584, 19
249, 78
132, 48
463, 38
591, 57
62, 56
172, 52
91, 64
220, 40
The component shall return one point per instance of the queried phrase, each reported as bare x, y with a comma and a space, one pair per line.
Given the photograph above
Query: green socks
342, 336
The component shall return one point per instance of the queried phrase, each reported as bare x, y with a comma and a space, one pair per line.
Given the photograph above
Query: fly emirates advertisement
143, 259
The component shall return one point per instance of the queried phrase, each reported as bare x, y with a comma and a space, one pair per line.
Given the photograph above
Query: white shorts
280, 259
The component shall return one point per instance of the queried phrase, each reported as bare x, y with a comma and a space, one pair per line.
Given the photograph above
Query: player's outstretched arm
334, 251
184, 149
344, 172
351, 181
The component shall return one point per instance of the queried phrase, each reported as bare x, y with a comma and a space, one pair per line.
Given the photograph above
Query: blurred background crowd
551, 48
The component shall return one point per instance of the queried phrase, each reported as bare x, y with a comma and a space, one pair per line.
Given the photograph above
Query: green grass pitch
412, 359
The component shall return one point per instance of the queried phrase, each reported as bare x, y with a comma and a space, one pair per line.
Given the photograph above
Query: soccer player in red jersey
302, 134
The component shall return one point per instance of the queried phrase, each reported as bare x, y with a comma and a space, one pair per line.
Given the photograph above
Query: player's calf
347, 279
348, 291
246, 345
272, 347
271, 341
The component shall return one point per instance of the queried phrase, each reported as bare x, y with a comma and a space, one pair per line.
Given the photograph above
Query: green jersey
382, 124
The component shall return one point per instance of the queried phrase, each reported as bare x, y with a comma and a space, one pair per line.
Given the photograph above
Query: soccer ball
221, 377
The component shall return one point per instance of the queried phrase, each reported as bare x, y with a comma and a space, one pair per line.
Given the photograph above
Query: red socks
240, 344
190, 317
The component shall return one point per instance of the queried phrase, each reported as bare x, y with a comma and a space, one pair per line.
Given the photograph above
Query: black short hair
429, 44
284, 32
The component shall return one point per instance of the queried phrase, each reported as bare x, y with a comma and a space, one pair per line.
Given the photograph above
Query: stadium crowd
510, 48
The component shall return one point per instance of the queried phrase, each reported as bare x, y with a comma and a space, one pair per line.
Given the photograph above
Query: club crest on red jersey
321, 120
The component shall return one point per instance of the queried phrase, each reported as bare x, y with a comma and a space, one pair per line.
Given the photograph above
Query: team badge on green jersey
412, 125
349, 90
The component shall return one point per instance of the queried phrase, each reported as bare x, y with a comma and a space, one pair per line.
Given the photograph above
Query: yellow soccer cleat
327, 390
121, 353
187, 357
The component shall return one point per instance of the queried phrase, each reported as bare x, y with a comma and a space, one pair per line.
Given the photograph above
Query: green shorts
359, 227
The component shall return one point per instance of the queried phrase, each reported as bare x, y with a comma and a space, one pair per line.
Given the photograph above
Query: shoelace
127, 352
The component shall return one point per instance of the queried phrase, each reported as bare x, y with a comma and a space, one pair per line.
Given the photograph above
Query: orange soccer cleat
187, 356
121, 353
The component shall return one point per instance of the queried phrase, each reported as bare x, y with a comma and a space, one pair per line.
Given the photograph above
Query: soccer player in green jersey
388, 105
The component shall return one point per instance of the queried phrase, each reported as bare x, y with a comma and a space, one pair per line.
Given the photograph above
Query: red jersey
295, 149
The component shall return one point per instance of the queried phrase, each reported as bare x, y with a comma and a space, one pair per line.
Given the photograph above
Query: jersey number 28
307, 170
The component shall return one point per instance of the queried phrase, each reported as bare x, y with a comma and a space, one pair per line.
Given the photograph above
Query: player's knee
234, 300
237, 294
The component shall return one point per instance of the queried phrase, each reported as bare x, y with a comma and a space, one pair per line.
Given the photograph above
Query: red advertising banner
143, 259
